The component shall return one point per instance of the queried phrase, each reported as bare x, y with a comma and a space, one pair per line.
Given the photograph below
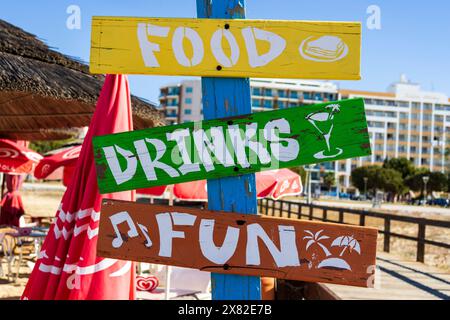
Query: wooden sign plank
233, 146
232, 243
226, 47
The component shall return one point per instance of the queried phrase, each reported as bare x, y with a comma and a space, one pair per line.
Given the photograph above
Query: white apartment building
403, 122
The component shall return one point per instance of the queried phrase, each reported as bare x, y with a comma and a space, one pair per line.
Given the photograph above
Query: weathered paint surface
226, 47
232, 243
224, 97
231, 146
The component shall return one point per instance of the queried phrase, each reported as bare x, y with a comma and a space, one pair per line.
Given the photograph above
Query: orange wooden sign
234, 243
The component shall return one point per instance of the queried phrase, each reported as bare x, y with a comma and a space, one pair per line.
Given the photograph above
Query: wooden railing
295, 210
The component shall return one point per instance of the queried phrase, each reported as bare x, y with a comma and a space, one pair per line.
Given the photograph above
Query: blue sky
414, 38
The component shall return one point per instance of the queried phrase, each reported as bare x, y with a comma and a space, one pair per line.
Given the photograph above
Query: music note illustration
117, 219
145, 232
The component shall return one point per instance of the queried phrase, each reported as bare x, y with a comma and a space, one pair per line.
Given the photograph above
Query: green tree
301, 172
437, 181
43, 147
402, 165
388, 180
328, 180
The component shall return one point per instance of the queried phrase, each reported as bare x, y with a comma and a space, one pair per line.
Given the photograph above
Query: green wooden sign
231, 146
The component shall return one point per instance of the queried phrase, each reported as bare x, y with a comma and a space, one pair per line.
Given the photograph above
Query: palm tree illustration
315, 238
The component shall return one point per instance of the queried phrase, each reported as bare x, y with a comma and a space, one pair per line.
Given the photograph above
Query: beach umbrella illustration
348, 242
68, 267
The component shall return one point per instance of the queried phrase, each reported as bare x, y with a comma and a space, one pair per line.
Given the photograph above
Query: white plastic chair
7, 245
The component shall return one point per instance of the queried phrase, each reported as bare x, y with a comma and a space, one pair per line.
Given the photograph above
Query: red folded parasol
68, 267
64, 157
11, 205
274, 184
16, 158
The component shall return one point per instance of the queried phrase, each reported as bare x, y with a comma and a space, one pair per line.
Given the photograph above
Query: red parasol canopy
274, 184
16, 158
11, 205
66, 157
68, 267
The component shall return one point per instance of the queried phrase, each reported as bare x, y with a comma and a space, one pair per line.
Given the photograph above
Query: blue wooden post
224, 97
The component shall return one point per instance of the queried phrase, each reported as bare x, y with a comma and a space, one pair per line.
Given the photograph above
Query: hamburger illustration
323, 48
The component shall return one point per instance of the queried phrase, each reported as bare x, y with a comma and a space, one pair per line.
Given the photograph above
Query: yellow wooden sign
226, 48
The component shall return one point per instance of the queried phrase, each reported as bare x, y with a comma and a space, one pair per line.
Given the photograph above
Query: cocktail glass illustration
323, 122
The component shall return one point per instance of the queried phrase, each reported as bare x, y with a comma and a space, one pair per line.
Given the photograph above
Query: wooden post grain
225, 97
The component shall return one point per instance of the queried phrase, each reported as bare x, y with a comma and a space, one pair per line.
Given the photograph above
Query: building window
427, 106
174, 91
268, 92
402, 137
281, 93
439, 118
390, 103
281, 104
416, 105
403, 126
188, 101
187, 111
267, 103
403, 115
172, 103
318, 96
307, 95
293, 104
402, 149
256, 91
424, 150
379, 136
293, 95
413, 149
427, 117
256, 103
189, 89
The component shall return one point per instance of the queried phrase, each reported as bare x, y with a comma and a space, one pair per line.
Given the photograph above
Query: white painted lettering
218, 255
285, 257
149, 165
148, 48
114, 165
178, 49
166, 221
277, 46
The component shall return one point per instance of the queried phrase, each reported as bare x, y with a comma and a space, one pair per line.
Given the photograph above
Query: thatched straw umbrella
44, 94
